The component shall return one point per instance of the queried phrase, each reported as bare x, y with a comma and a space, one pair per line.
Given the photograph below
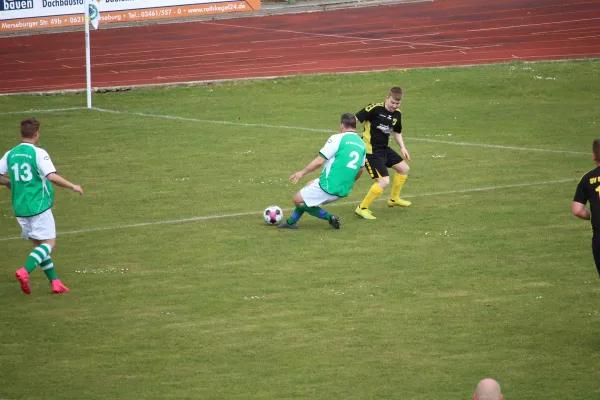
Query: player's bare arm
400, 141
360, 172
580, 211
62, 182
4, 181
314, 164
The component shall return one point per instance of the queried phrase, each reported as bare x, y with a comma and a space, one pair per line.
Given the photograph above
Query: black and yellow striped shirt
379, 124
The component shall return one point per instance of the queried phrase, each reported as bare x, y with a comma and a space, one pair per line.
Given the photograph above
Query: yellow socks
397, 185
374, 193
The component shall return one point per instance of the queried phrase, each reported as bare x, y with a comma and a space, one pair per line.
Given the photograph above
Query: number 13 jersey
28, 165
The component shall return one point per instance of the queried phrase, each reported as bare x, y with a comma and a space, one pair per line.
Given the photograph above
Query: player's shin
48, 268
374, 193
397, 185
317, 212
296, 214
37, 256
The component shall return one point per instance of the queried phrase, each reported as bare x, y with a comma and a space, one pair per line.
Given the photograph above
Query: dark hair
349, 120
29, 127
596, 149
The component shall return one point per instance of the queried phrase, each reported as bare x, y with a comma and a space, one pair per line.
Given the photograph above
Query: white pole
88, 67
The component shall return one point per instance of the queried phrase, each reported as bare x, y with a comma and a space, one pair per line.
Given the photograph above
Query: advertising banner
40, 14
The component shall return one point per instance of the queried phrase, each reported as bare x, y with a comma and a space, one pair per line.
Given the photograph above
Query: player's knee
297, 200
383, 182
51, 243
402, 168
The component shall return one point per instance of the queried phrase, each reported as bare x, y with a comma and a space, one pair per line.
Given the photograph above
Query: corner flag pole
91, 15
88, 67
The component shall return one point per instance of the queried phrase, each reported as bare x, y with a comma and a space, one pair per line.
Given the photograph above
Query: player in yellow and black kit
380, 120
588, 189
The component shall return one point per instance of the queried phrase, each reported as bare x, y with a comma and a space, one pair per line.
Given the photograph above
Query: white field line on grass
299, 128
207, 121
50, 111
243, 214
497, 146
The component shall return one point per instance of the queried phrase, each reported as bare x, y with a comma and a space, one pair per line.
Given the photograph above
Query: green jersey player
343, 161
31, 172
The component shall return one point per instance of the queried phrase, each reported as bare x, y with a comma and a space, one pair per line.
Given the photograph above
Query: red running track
438, 33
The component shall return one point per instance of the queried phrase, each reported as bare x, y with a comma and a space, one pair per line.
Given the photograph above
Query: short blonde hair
395, 93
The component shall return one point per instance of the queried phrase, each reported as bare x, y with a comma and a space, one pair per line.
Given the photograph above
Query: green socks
48, 268
314, 211
317, 212
37, 256
296, 214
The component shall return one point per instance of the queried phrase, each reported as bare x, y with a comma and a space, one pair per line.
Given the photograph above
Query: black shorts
596, 249
377, 164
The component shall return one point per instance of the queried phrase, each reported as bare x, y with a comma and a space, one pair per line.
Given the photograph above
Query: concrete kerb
210, 82
127, 88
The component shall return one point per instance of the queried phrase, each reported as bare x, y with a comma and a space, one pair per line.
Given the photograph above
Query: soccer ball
273, 215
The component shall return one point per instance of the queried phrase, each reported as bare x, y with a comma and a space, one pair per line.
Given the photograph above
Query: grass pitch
180, 291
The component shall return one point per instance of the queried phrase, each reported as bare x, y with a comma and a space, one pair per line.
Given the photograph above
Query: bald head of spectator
487, 389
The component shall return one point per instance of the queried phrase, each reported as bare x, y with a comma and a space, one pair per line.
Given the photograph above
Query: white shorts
313, 195
40, 227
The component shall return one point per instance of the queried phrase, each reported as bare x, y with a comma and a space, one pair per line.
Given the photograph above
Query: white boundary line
298, 128
204, 121
211, 217
497, 146
52, 110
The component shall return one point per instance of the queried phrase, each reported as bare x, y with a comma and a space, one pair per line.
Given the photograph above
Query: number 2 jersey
345, 155
379, 124
32, 193
588, 189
